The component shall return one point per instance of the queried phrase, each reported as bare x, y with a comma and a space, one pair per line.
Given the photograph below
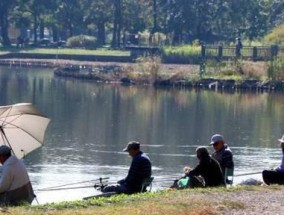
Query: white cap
281, 140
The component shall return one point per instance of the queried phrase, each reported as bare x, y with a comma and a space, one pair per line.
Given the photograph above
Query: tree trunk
4, 24
116, 36
54, 33
70, 29
155, 27
35, 28
41, 29
101, 33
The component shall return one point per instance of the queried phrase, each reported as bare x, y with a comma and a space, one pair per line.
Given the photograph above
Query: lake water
91, 123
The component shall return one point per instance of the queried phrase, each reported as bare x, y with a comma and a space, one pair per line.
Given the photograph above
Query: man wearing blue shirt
140, 169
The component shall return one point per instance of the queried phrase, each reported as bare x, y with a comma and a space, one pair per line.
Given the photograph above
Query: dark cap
132, 145
5, 150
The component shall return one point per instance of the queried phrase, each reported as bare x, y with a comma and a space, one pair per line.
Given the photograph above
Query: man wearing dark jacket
222, 153
208, 168
140, 169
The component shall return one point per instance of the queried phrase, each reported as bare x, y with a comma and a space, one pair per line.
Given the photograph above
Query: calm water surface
91, 124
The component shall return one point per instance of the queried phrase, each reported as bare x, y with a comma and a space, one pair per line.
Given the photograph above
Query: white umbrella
22, 128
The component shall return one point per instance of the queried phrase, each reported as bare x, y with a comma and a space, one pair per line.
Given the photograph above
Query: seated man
15, 185
140, 169
208, 168
275, 176
222, 153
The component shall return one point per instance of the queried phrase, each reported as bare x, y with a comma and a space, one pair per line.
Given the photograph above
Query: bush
276, 36
82, 41
181, 54
276, 69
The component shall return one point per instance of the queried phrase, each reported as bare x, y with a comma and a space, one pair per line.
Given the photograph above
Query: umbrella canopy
22, 128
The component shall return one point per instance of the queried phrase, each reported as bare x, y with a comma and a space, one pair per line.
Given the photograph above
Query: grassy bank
65, 51
190, 201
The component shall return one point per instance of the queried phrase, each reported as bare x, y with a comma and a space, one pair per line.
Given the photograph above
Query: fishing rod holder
102, 184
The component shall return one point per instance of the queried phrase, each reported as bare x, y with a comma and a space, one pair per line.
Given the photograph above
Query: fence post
203, 51
274, 51
220, 52
254, 53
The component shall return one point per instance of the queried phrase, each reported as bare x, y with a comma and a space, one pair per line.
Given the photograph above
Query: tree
98, 13
117, 23
5, 8
69, 16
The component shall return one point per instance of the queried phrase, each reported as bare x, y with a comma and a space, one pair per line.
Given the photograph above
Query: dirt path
263, 202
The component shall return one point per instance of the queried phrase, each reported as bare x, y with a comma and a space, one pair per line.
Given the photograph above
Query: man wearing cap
140, 169
275, 176
222, 153
15, 186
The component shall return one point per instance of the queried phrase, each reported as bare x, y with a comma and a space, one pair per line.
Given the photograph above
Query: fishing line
80, 182
65, 188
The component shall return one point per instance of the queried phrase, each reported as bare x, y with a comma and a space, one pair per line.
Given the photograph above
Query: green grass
185, 50
188, 201
54, 51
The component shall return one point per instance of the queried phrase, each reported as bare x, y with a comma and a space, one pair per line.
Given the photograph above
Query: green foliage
276, 36
276, 69
181, 54
180, 21
185, 50
235, 69
82, 41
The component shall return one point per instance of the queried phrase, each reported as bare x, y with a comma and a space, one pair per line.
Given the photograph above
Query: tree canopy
182, 21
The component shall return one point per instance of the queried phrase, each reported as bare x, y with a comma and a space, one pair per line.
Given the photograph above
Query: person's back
15, 186
211, 172
224, 157
208, 168
140, 170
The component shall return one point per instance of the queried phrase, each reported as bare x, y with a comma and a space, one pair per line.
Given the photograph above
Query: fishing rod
64, 188
80, 182
250, 173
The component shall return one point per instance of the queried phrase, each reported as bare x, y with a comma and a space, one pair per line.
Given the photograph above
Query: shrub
181, 54
276, 36
236, 68
82, 41
276, 69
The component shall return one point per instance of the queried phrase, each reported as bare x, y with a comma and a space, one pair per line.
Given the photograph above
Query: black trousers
273, 177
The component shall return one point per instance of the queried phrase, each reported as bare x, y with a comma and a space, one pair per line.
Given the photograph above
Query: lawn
199, 201
67, 51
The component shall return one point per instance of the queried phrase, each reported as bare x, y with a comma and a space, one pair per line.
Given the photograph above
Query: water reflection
91, 124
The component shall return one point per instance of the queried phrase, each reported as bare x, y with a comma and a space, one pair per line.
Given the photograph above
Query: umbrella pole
3, 134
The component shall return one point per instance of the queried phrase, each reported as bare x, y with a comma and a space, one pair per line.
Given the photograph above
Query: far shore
162, 75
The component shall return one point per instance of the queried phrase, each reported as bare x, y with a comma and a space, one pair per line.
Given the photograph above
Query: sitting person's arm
281, 167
